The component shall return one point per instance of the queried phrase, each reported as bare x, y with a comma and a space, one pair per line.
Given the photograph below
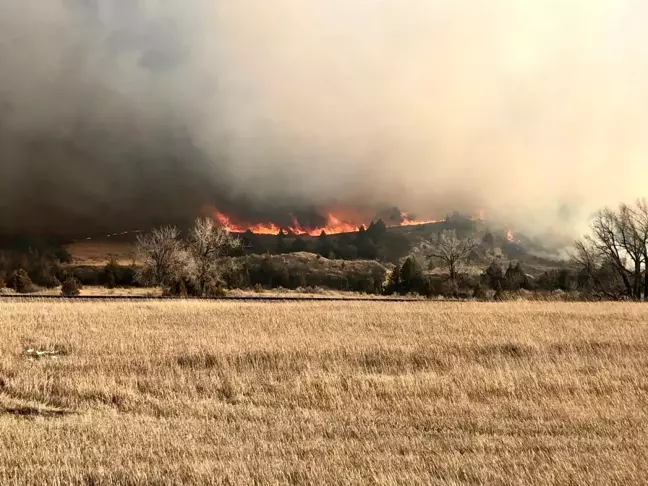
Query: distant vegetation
454, 258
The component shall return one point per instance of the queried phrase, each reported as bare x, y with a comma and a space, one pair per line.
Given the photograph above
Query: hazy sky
146, 110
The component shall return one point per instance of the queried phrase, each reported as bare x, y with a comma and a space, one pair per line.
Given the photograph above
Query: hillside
389, 247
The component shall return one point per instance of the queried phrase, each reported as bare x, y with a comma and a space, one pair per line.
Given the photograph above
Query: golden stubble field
323, 393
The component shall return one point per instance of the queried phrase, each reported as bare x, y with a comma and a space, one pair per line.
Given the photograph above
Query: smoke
123, 113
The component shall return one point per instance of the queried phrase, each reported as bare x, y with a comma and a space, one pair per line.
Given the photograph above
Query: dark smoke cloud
123, 114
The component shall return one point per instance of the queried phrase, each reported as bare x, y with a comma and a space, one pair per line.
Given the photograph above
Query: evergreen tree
394, 282
515, 277
499, 291
324, 247
20, 282
298, 245
493, 275
281, 242
71, 287
111, 274
489, 240
411, 275
377, 230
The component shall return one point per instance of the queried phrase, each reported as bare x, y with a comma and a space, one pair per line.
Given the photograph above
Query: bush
431, 286
480, 293
450, 289
182, 287
177, 288
111, 274
493, 276
515, 278
48, 280
409, 279
213, 288
71, 287
63, 255
557, 280
87, 275
499, 292
20, 282
115, 275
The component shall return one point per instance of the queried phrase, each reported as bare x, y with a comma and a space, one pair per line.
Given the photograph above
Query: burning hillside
334, 224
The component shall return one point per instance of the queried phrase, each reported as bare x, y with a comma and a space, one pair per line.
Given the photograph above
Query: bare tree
592, 262
451, 250
641, 221
207, 245
162, 255
619, 241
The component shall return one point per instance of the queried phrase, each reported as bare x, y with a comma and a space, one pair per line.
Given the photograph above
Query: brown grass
97, 291
323, 393
98, 253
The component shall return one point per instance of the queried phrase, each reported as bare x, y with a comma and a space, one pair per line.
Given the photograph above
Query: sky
123, 113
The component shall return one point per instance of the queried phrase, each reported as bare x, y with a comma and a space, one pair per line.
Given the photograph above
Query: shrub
431, 286
410, 274
20, 282
298, 245
489, 240
493, 276
115, 275
213, 288
480, 293
378, 275
48, 280
515, 278
111, 274
557, 280
71, 287
394, 282
451, 289
87, 275
236, 277
63, 255
177, 288
182, 287
499, 292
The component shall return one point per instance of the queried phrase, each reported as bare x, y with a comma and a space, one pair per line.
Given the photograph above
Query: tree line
609, 263
614, 258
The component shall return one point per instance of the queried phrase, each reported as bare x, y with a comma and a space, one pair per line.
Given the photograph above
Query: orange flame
259, 229
509, 236
407, 221
334, 225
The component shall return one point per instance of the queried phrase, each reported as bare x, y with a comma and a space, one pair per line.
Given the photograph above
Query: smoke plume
132, 113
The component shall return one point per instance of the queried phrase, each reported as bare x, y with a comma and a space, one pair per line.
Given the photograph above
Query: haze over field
124, 114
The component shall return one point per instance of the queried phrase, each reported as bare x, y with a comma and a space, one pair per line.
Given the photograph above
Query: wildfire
510, 237
334, 225
406, 221
259, 229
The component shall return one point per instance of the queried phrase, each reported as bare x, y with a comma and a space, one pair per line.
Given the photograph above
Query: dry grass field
97, 253
323, 393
